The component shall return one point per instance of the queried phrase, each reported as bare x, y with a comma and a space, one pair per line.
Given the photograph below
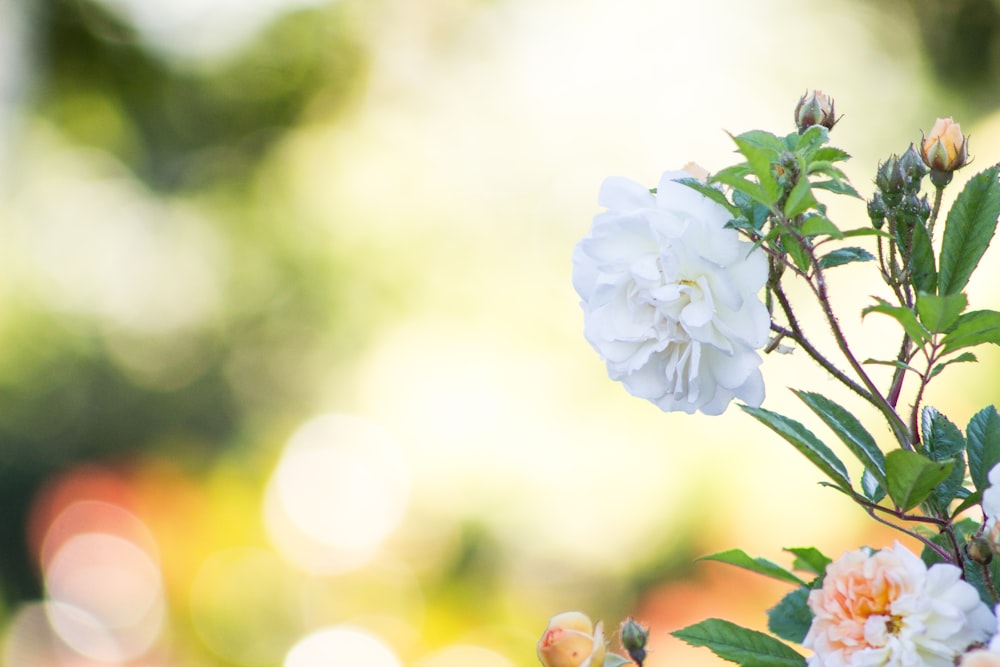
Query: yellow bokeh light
339, 490
341, 645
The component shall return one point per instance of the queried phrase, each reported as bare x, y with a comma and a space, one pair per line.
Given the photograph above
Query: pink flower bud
815, 108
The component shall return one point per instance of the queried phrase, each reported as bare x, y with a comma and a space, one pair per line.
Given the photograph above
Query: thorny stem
888, 411
871, 507
796, 335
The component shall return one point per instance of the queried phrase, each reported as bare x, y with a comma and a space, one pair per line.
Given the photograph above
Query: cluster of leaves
934, 472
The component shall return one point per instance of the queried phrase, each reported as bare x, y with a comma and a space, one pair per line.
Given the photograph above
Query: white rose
670, 297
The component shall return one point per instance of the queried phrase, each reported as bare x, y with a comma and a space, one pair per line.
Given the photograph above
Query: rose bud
634, 637
944, 150
814, 109
979, 550
913, 167
572, 640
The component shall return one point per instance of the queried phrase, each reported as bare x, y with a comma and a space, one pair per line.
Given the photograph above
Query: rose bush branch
670, 281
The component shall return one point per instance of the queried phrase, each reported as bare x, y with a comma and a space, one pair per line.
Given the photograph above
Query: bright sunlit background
291, 369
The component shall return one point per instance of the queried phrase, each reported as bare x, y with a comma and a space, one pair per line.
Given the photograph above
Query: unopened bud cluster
898, 198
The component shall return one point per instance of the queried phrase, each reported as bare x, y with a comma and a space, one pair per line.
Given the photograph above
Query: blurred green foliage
180, 128
189, 127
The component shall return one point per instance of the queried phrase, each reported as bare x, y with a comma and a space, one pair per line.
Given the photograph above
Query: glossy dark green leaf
743, 646
842, 256
983, 445
850, 431
809, 559
803, 440
968, 230
741, 559
791, 617
912, 477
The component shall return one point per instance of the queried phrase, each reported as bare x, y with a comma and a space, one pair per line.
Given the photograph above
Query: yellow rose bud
945, 148
572, 640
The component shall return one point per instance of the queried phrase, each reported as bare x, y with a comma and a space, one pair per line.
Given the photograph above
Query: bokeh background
291, 368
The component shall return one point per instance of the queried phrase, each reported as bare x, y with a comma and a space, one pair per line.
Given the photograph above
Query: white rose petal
671, 297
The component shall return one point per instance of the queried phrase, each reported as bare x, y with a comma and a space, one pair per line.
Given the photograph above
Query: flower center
894, 624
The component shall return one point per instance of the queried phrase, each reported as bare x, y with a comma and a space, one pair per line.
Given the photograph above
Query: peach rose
888, 608
572, 640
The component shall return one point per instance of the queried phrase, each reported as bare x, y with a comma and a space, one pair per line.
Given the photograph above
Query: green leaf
761, 149
713, 193
830, 154
904, 316
815, 225
940, 313
970, 501
973, 328
803, 440
738, 183
943, 441
962, 358
923, 274
984, 445
740, 645
809, 559
850, 431
793, 246
838, 187
871, 487
615, 660
791, 617
912, 477
865, 231
755, 212
739, 558
800, 199
895, 363
968, 230
809, 141
844, 256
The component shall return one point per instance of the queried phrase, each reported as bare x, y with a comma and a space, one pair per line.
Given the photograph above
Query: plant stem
870, 508
818, 357
897, 425
934, 211
896, 387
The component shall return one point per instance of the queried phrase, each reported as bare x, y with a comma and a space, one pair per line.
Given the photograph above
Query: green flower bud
914, 168
891, 181
978, 549
814, 109
877, 211
634, 637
